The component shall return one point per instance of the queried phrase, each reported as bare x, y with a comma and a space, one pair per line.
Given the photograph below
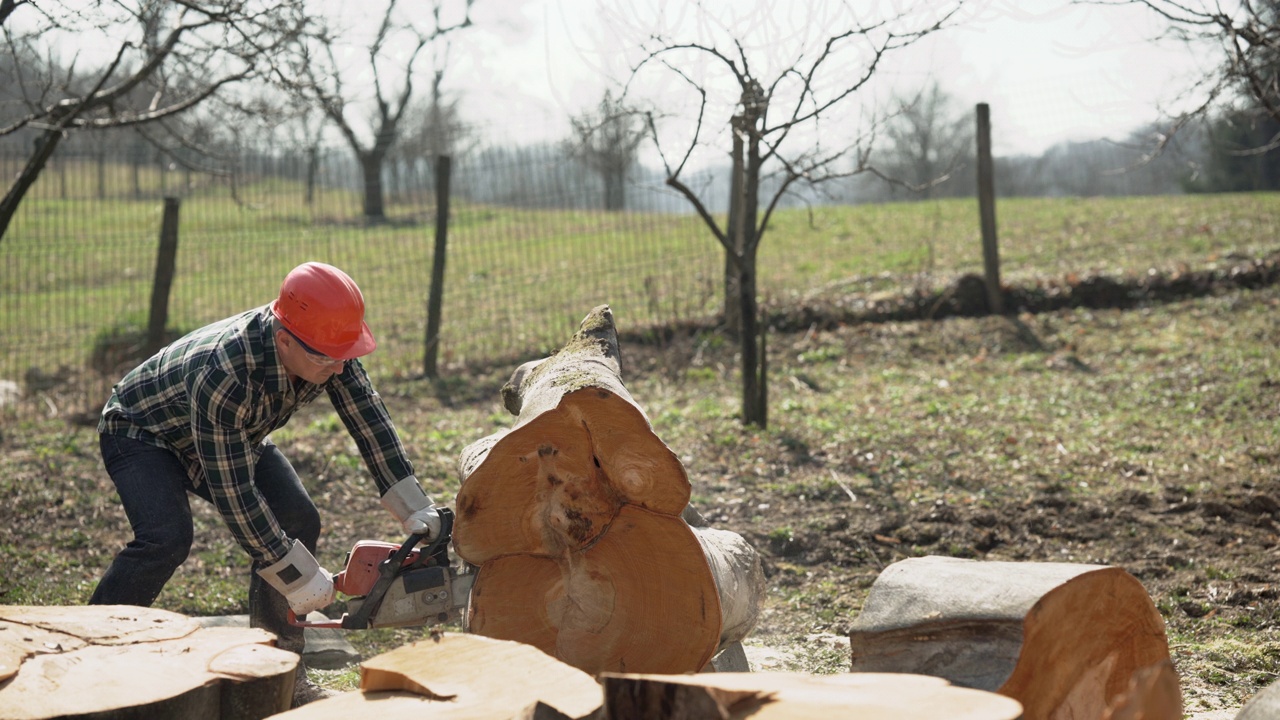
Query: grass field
518, 279
1142, 438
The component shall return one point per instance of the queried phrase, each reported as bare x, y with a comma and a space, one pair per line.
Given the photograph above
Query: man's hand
425, 522
297, 576
412, 508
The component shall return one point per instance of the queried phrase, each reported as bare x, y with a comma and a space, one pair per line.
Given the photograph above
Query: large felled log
1063, 639
113, 661
573, 516
460, 677
794, 696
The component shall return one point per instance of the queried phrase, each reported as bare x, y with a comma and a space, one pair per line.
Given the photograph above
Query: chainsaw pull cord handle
388, 568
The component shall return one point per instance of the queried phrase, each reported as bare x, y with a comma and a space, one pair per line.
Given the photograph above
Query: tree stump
574, 518
1063, 639
795, 696
458, 676
116, 661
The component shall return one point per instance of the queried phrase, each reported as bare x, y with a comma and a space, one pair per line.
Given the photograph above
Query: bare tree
365, 93
606, 140
928, 142
435, 127
1248, 34
8, 6
780, 91
165, 58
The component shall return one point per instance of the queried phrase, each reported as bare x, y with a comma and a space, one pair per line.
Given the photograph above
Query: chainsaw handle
294, 621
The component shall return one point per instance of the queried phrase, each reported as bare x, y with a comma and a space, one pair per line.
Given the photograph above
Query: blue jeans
153, 488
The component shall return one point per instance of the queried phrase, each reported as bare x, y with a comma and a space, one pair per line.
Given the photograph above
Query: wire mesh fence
527, 257
530, 251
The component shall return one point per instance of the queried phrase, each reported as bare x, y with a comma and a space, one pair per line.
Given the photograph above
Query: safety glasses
315, 357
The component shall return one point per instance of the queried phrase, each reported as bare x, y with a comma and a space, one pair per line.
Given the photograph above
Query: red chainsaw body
361, 572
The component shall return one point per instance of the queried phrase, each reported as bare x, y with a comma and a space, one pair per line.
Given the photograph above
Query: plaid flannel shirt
214, 396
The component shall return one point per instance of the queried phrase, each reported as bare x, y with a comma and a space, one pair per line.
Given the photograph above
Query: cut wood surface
462, 676
116, 661
795, 696
1153, 694
1063, 639
573, 516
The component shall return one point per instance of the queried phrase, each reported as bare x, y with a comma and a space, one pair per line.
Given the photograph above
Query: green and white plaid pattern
214, 396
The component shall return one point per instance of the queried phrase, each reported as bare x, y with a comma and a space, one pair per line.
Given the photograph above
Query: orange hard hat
322, 306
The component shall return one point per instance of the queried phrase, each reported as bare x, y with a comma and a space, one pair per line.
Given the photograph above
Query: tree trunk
574, 519
371, 166
793, 696
45, 145
733, 237
1063, 639
753, 390
313, 165
119, 661
615, 189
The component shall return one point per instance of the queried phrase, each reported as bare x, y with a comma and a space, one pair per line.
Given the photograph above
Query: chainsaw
393, 585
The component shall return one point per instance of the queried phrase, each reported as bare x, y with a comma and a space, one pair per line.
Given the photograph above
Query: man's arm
366, 418
219, 413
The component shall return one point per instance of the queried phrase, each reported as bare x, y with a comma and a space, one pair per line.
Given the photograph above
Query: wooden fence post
435, 294
166, 260
987, 211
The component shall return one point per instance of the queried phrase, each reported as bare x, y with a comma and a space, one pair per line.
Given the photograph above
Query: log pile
476, 678
575, 519
112, 661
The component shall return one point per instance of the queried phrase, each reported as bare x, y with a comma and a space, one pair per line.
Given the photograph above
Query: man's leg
152, 485
297, 515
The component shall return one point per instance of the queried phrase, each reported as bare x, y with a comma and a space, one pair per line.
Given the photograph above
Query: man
195, 418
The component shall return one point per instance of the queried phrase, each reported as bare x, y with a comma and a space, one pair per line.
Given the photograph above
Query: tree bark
793, 696
1060, 638
115, 661
371, 168
573, 517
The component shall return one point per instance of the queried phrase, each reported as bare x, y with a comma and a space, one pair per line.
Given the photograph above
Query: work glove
297, 576
409, 505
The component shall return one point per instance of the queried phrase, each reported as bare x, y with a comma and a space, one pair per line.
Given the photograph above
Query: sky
1051, 70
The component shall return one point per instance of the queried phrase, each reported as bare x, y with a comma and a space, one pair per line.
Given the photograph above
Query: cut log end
1015, 628
122, 661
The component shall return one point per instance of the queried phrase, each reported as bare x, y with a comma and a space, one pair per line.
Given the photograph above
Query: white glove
408, 504
305, 585
425, 522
